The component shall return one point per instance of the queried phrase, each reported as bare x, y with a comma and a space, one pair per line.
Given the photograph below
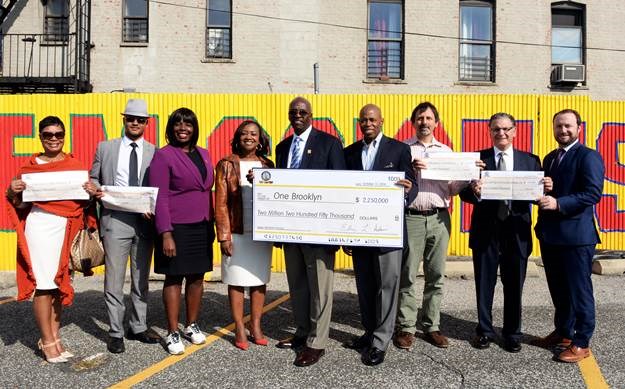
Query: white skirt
250, 264
45, 233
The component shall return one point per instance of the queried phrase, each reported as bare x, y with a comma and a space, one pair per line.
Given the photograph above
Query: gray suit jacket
103, 172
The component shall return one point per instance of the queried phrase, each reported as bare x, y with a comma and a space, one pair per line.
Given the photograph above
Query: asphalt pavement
219, 364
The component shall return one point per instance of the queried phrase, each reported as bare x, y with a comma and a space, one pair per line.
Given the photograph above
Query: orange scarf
70, 209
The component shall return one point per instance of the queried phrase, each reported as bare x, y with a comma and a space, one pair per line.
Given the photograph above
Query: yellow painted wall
270, 112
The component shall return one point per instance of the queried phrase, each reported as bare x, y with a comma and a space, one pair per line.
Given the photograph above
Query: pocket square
388, 165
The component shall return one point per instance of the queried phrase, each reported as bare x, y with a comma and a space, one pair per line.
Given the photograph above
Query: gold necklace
58, 157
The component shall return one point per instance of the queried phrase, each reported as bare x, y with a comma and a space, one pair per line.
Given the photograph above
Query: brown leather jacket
228, 202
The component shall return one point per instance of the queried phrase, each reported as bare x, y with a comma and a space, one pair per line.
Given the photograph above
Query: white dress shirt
508, 158
369, 151
121, 177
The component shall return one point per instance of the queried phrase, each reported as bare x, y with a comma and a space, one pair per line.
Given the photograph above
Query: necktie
133, 169
503, 209
296, 156
556, 161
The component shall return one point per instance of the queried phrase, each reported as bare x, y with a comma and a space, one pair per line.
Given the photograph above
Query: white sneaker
193, 334
174, 344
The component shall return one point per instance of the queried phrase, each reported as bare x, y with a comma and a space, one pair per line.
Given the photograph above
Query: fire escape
57, 61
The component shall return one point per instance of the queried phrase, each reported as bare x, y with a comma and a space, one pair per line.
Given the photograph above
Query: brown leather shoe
552, 340
292, 342
308, 356
437, 339
574, 354
403, 340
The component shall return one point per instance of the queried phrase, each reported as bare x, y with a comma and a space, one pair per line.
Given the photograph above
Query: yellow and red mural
464, 127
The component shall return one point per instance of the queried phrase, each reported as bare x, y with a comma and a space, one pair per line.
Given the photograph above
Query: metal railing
135, 30
476, 69
38, 55
384, 59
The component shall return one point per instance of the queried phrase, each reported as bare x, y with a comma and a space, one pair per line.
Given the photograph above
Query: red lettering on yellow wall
12, 126
609, 217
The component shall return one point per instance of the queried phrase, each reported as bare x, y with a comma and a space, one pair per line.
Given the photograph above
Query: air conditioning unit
568, 73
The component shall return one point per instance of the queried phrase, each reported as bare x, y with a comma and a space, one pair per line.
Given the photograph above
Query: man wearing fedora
124, 162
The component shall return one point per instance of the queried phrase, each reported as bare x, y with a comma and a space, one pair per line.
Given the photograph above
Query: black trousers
502, 252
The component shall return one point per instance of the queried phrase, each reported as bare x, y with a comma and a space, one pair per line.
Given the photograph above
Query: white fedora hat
136, 107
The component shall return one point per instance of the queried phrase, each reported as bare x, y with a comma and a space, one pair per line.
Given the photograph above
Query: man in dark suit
377, 269
500, 237
309, 267
567, 234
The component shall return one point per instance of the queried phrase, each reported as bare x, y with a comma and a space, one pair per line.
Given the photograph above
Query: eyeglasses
506, 130
49, 135
300, 112
140, 120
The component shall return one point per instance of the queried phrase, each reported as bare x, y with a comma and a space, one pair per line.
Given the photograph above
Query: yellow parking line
592, 373
165, 363
7, 300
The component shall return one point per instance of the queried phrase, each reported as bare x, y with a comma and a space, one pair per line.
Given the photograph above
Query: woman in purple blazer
183, 173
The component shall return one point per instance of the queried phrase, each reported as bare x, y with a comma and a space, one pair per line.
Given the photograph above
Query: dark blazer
392, 155
322, 151
577, 185
485, 212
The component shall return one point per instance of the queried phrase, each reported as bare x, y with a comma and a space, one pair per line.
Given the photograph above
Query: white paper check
138, 199
445, 166
337, 207
52, 186
512, 185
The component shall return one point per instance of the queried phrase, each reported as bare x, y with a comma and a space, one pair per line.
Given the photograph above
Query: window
567, 33
56, 21
219, 29
477, 47
385, 40
135, 27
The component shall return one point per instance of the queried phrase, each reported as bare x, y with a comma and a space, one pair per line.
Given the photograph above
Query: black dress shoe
115, 345
361, 343
481, 342
308, 356
143, 337
511, 345
292, 342
373, 356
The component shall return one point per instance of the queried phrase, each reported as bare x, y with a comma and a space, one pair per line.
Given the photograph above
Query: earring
259, 147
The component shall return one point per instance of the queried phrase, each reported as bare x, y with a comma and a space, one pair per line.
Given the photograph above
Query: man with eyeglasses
124, 162
309, 267
500, 237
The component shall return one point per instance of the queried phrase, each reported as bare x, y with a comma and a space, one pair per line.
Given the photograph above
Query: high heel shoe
65, 353
242, 345
260, 342
59, 359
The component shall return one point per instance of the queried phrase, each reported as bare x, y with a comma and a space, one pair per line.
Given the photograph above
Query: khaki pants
428, 237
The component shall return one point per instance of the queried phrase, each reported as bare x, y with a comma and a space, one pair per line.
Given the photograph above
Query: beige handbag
87, 251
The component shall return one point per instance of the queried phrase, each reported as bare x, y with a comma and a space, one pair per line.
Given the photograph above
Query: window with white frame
219, 29
135, 21
56, 21
385, 40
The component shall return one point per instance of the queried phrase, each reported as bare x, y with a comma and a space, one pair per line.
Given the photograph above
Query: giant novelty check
49, 186
512, 185
335, 207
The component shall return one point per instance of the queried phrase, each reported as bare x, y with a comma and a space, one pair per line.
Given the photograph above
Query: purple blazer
182, 196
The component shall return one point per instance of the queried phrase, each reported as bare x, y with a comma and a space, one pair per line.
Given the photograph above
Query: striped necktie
503, 208
296, 154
